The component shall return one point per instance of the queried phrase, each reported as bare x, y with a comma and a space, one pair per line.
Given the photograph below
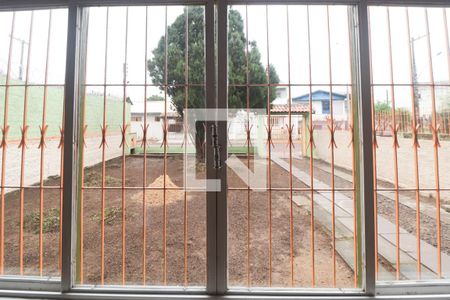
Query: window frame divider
70, 141
362, 63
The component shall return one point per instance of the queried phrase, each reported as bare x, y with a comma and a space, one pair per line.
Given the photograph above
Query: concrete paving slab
386, 229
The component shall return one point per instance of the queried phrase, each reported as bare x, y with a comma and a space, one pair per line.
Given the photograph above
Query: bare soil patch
179, 207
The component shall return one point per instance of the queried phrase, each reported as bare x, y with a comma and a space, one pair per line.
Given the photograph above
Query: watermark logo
245, 135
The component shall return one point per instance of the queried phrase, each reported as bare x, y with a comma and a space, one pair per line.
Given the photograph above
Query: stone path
386, 233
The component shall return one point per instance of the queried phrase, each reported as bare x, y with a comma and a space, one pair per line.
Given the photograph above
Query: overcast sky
278, 40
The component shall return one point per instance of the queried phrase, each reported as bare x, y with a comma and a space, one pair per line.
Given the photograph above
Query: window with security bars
208, 147
410, 58
32, 68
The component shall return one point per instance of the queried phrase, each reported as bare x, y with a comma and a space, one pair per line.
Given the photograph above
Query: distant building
320, 101
155, 119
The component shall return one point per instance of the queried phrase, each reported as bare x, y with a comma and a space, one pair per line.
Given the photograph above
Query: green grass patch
94, 179
32, 222
112, 215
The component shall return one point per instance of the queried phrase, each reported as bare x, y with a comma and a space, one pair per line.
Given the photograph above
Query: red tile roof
295, 108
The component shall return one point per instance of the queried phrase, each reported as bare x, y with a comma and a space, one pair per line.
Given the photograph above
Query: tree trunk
200, 142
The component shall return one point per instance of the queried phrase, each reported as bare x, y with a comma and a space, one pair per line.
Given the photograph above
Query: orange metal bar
42, 146
5, 130
332, 144
103, 146
269, 145
435, 130
311, 154
394, 129
22, 163
144, 175
61, 182
247, 71
124, 146
415, 145
166, 36
290, 144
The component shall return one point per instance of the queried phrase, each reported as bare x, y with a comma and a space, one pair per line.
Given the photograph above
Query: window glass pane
410, 93
141, 221
32, 66
291, 210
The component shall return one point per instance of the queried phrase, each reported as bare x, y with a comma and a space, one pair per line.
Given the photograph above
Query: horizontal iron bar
33, 85
345, 2
411, 85
143, 85
285, 2
32, 187
289, 84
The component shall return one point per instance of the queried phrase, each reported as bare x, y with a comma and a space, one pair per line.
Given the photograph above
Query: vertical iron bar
144, 175
332, 145
415, 145
165, 133
61, 184
42, 146
311, 151
124, 146
247, 78
103, 146
269, 145
436, 145
395, 146
290, 129
4, 140
24, 126
269, 156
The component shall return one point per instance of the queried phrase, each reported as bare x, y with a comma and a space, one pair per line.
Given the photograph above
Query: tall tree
193, 17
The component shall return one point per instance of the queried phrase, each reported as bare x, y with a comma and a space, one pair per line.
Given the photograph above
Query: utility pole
22, 51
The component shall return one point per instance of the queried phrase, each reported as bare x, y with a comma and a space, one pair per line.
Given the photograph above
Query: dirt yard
175, 208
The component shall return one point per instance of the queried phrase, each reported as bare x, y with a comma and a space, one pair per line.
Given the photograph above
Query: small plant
93, 178
111, 215
32, 222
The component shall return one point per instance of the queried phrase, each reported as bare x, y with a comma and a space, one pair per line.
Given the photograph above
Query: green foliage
94, 179
237, 66
50, 223
382, 107
155, 98
111, 215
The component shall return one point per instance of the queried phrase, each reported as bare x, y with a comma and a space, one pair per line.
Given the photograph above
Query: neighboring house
320, 103
155, 119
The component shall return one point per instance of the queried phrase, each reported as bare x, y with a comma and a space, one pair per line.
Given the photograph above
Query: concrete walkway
386, 232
